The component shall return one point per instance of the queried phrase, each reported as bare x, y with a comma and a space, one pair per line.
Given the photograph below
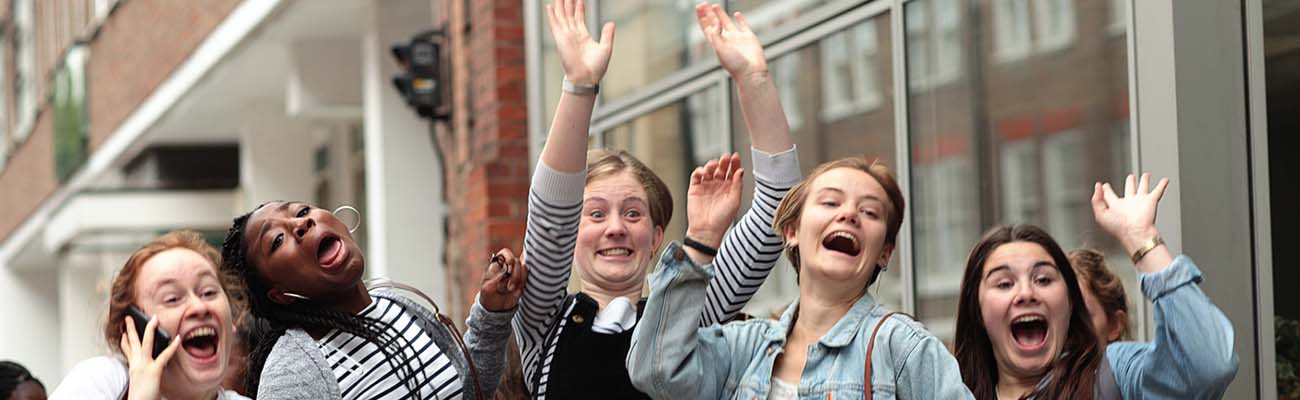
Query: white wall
275, 159
405, 215
29, 305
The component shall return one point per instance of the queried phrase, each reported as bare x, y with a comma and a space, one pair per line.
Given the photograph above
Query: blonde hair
790, 209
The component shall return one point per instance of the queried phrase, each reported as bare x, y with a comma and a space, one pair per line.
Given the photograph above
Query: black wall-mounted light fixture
419, 81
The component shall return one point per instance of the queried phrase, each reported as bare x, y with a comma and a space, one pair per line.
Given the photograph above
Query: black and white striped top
364, 373
744, 259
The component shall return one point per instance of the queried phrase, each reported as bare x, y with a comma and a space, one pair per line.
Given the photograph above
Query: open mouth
1029, 331
615, 252
842, 242
329, 252
201, 343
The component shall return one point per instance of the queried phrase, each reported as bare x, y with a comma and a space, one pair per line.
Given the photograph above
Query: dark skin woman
304, 271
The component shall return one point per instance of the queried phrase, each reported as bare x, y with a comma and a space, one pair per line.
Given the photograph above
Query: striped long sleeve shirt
746, 256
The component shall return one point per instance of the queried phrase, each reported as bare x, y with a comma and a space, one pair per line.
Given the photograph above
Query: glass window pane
654, 39
765, 14
995, 141
837, 94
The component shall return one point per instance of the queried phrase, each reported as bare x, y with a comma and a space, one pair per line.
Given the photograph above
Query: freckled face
616, 238
181, 288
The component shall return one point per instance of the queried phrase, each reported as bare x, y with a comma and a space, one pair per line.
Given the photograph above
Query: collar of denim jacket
841, 333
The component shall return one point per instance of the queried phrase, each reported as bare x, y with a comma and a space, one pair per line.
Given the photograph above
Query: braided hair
13, 374
266, 321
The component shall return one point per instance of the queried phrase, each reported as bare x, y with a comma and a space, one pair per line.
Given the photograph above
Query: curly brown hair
1093, 271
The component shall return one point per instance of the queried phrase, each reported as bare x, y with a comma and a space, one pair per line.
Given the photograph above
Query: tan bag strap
871, 346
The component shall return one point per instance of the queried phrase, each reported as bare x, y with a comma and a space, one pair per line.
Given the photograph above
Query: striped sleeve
751, 248
554, 211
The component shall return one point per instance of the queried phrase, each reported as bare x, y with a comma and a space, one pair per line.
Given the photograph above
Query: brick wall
137, 47
486, 145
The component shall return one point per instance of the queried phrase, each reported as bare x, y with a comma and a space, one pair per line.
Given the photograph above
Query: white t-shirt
782, 390
104, 378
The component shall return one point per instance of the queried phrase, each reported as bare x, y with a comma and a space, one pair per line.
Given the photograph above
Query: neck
351, 300
604, 296
181, 391
819, 310
1012, 386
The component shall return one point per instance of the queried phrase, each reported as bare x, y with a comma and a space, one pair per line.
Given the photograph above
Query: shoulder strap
871, 346
547, 339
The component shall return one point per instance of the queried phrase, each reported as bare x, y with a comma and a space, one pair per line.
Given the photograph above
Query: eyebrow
603, 200
262, 231
154, 289
1039, 264
841, 192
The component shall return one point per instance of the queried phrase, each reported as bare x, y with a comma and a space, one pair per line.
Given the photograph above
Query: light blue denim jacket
673, 358
1192, 355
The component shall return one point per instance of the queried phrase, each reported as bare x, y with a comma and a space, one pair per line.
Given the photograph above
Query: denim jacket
1191, 356
673, 358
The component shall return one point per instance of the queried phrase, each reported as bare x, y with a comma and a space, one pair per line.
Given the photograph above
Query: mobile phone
160, 336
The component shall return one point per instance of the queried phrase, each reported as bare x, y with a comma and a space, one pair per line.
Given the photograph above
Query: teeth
1027, 318
846, 236
204, 331
621, 251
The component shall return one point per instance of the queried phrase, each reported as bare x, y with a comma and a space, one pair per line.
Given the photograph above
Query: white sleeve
95, 378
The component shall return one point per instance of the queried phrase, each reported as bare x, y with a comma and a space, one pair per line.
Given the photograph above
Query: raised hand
145, 371
735, 43
713, 199
503, 282
583, 58
1131, 219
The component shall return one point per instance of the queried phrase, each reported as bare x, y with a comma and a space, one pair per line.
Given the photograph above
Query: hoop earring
297, 296
351, 229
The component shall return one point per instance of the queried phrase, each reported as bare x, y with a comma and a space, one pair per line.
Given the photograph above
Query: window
1118, 17
1052, 27
785, 73
1011, 32
705, 115
25, 79
934, 37
1069, 207
1054, 23
1020, 183
848, 67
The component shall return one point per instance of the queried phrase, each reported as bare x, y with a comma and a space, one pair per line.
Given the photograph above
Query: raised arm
1192, 354
751, 248
741, 55
584, 60
555, 195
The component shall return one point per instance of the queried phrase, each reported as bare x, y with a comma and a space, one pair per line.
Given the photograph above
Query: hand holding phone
145, 372
160, 336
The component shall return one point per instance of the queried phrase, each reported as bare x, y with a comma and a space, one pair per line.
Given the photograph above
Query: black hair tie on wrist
700, 247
